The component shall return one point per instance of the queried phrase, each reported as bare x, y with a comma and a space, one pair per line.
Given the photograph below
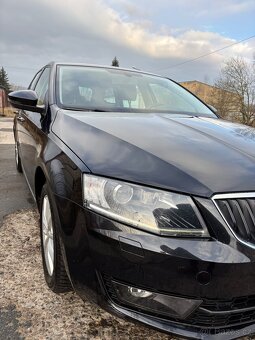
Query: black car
146, 197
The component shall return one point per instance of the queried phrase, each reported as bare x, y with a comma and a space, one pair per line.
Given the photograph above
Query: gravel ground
37, 313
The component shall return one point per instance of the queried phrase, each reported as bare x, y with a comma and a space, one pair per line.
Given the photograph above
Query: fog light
139, 293
172, 306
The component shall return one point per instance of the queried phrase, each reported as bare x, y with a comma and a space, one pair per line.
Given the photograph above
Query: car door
20, 131
30, 128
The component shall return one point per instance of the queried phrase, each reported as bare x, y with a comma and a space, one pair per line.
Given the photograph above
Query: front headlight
157, 211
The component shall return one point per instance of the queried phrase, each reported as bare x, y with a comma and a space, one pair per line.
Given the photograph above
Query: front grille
224, 313
236, 303
210, 321
211, 315
238, 211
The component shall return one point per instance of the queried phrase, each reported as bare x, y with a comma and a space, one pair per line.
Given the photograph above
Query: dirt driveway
28, 310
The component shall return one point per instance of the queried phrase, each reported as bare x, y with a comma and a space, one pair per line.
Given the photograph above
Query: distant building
3, 100
227, 103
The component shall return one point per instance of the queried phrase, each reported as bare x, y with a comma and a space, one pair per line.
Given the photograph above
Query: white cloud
91, 31
106, 23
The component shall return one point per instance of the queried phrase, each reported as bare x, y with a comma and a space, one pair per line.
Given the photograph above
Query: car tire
17, 158
53, 264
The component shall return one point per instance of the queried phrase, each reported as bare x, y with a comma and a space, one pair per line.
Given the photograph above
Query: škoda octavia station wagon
146, 197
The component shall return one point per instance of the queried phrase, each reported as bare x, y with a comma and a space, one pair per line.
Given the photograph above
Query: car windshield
106, 89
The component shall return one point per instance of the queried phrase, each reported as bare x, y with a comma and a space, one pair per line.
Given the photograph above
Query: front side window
92, 88
42, 86
34, 81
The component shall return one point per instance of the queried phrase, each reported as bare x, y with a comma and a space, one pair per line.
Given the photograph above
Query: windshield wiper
85, 109
97, 110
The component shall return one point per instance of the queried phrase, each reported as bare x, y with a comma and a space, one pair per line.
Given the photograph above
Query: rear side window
42, 86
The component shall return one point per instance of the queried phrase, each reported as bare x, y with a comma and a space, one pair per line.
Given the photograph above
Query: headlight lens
157, 211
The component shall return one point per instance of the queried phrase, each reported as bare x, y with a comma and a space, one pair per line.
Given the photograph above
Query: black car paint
187, 154
179, 153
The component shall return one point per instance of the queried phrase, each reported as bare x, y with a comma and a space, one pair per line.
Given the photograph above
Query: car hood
195, 155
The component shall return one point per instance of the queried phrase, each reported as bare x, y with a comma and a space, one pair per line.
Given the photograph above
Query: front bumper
219, 272
182, 329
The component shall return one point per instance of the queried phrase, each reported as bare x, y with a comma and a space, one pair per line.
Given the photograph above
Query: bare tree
237, 85
226, 102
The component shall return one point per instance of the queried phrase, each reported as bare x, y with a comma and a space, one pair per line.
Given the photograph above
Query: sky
157, 36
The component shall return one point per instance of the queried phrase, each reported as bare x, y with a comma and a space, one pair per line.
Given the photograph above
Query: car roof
135, 70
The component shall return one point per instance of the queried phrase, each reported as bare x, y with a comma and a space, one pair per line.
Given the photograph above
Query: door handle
21, 119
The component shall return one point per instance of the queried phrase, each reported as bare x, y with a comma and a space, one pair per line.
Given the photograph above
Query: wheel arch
40, 180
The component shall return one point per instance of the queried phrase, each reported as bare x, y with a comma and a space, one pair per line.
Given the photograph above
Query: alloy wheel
47, 235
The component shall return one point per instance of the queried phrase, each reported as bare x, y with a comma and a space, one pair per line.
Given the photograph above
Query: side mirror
25, 100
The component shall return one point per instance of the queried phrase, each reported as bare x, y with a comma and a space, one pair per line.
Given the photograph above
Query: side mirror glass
25, 100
